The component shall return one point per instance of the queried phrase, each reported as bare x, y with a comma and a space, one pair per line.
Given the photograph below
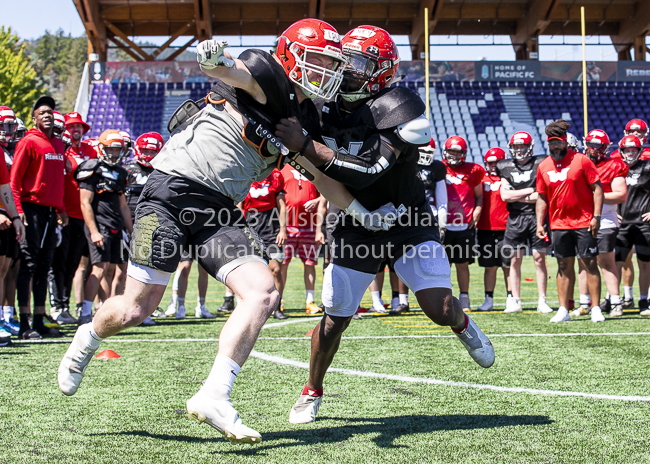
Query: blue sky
61, 14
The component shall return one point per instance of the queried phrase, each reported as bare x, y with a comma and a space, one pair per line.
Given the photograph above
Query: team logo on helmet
147, 146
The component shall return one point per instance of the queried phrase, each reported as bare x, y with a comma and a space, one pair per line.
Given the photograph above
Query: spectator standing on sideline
569, 188
305, 214
37, 182
491, 229
464, 203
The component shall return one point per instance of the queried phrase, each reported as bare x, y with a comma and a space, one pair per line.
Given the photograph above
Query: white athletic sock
87, 308
542, 298
7, 313
615, 299
628, 292
607, 296
376, 299
222, 376
394, 303
177, 277
200, 300
228, 293
310, 296
404, 299
585, 299
174, 299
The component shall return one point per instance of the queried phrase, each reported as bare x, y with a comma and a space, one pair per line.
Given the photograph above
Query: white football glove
383, 218
209, 54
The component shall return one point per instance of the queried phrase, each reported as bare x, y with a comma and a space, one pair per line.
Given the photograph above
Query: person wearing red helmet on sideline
37, 182
635, 215
59, 125
188, 204
464, 206
518, 175
73, 241
369, 141
612, 173
146, 147
639, 128
491, 229
569, 188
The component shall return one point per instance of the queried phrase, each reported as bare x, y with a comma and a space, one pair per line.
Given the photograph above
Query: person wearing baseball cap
568, 186
37, 185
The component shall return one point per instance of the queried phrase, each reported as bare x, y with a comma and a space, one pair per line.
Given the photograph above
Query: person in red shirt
639, 128
73, 241
612, 173
37, 183
305, 214
464, 204
568, 187
266, 213
491, 229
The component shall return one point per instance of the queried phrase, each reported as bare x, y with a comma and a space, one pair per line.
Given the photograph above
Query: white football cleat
513, 305
561, 316
543, 307
378, 309
202, 311
464, 302
171, 310
76, 359
477, 344
221, 415
488, 304
180, 313
597, 315
305, 409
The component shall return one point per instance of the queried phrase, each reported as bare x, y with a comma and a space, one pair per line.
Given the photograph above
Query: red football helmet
8, 124
521, 146
296, 48
630, 148
426, 153
59, 125
458, 146
373, 60
66, 138
152, 142
596, 144
491, 157
637, 127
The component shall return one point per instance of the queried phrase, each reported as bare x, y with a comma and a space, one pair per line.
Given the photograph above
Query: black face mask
561, 155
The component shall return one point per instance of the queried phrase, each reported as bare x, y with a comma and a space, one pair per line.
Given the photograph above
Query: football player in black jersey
635, 216
518, 176
188, 203
370, 139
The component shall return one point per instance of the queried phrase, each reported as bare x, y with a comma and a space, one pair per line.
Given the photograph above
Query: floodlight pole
426, 60
584, 70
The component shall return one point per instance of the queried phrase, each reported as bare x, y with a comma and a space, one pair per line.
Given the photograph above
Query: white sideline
400, 378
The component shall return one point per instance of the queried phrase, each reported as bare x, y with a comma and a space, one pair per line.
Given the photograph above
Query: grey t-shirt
209, 149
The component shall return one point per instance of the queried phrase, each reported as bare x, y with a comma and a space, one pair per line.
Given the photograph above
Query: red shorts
300, 242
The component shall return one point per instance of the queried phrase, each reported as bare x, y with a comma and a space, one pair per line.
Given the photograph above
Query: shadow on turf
389, 428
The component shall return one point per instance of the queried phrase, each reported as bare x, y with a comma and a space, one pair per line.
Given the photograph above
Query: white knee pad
343, 290
424, 266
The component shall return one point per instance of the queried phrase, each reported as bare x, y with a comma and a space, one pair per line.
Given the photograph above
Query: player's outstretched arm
216, 62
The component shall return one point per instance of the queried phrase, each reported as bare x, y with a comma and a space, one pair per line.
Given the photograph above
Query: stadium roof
626, 21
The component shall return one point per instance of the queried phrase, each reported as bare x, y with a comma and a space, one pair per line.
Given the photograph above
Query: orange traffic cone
108, 354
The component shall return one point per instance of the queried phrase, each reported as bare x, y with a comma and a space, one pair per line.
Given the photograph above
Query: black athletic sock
509, 294
24, 322
490, 294
396, 294
38, 324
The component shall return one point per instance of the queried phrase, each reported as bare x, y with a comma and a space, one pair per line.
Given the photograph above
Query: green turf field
403, 391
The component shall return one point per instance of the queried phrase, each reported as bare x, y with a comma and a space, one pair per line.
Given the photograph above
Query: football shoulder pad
86, 169
395, 106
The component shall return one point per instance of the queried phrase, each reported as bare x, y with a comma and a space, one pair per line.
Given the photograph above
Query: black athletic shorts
267, 225
490, 249
459, 245
607, 239
364, 251
633, 235
8, 243
521, 232
574, 242
175, 214
114, 251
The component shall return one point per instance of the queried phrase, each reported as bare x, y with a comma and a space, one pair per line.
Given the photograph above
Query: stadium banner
507, 70
634, 71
